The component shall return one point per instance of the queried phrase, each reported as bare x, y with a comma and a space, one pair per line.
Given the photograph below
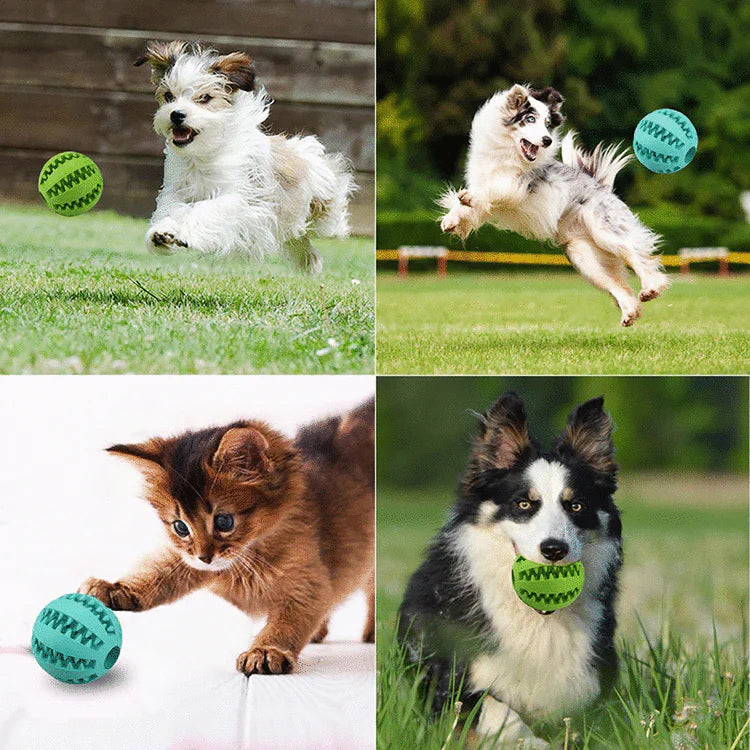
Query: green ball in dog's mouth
547, 587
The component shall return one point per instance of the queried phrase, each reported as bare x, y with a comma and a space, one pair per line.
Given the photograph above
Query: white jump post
422, 251
690, 255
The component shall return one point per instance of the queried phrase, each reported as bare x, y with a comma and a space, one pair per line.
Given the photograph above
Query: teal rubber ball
665, 141
76, 638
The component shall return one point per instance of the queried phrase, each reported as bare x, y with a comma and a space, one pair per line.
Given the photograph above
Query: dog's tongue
181, 134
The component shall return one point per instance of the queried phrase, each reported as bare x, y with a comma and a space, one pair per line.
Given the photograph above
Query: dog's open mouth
182, 135
529, 150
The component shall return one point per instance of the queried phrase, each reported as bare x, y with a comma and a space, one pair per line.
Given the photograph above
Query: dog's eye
576, 507
224, 522
524, 504
205, 99
547, 123
168, 96
180, 528
531, 119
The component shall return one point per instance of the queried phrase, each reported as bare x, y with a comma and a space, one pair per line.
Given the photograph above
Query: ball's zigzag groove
84, 200
96, 608
59, 659
70, 627
655, 155
74, 178
60, 159
558, 598
660, 132
545, 572
679, 120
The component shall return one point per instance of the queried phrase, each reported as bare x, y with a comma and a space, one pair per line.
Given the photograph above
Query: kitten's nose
546, 141
205, 558
177, 116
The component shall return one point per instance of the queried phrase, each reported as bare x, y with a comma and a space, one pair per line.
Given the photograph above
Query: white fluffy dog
229, 187
514, 181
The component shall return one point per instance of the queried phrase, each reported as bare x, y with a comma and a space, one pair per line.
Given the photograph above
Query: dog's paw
630, 316
465, 198
266, 660
646, 295
163, 241
456, 221
113, 595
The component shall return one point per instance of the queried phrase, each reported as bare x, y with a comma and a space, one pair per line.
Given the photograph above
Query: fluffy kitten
277, 527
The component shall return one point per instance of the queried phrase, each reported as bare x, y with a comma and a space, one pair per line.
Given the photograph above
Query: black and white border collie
460, 607
515, 182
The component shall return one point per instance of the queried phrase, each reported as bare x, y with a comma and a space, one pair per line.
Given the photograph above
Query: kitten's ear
503, 434
588, 435
147, 456
238, 69
243, 454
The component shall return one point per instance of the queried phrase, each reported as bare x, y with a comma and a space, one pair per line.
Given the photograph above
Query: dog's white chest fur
542, 667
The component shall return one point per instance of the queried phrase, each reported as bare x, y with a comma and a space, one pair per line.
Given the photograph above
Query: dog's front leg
159, 581
500, 720
217, 226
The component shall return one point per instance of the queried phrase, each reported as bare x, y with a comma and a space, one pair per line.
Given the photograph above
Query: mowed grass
681, 630
532, 322
82, 295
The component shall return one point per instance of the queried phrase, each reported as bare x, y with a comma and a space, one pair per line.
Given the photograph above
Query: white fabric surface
69, 511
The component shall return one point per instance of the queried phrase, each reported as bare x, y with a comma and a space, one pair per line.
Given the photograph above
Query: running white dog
229, 187
514, 181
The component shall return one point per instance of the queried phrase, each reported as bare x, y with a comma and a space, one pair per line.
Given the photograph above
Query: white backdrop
68, 510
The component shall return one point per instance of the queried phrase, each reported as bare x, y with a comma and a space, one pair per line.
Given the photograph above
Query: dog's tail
602, 164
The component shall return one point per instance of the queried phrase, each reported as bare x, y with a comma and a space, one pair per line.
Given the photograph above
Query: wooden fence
67, 81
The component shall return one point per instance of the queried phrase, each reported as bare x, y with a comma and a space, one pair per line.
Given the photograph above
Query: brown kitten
278, 528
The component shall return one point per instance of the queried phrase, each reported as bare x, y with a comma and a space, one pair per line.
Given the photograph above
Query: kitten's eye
168, 96
205, 99
524, 504
531, 119
224, 522
576, 507
180, 528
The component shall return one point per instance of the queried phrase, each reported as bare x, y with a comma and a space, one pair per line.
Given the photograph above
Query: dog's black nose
554, 549
177, 116
546, 141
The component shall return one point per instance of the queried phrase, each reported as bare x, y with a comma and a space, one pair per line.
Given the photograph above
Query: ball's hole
112, 657
689, 156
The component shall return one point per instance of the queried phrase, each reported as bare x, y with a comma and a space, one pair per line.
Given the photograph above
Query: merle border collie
515, 182
462, 620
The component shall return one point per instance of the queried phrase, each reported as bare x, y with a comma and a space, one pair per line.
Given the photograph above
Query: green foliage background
685, 424
438, 60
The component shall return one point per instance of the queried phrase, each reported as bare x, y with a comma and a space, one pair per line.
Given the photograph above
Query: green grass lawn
532, 322
83, 295
685, 579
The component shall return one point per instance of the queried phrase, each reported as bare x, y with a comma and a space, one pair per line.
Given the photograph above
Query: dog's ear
554, 101
516, 97
588, 436
503, 434
161, 56
237, 68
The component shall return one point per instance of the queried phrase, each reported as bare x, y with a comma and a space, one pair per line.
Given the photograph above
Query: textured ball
76, 638
70, 183
665, 141
547, 587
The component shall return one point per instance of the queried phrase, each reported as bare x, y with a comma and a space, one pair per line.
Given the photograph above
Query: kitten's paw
266, 660
113, 595
320, 633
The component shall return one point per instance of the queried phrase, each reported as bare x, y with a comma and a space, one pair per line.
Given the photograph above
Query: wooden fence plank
323, 20
120, 123
298, 71
131, 184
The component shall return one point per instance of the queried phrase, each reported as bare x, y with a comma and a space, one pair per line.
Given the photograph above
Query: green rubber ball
70, 183
547, 587
76, 638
